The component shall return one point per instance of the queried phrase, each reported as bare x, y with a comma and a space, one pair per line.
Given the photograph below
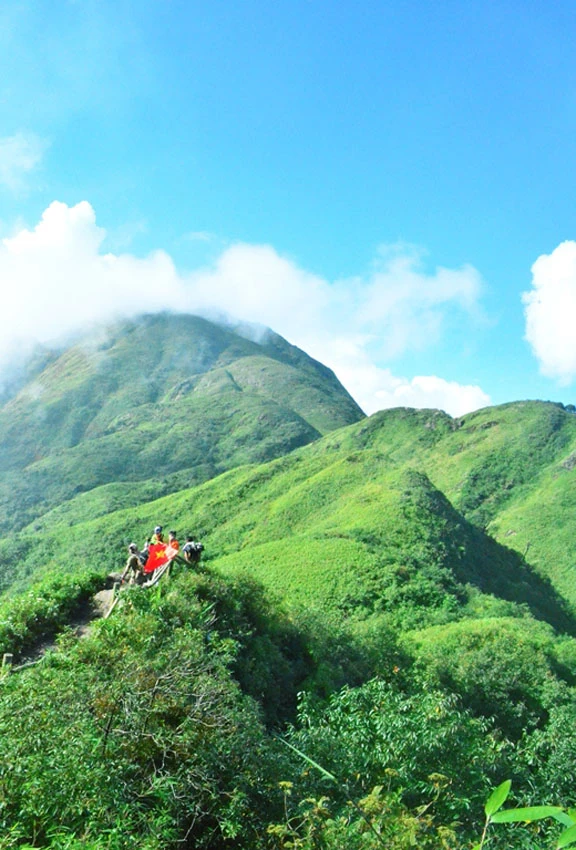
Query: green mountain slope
511, 463
382, 572
172, 400
354, 523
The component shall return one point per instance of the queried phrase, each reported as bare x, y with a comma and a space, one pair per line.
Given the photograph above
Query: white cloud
376, 388
550, 308
19, 154
255, 284
431, 391
407, 307
55, 278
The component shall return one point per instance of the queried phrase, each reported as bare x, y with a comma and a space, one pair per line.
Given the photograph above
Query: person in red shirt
173, 546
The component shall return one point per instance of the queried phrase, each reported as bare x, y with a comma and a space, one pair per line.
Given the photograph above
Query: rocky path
81, 623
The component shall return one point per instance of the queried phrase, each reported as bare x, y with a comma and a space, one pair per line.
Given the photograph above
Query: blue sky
375, 180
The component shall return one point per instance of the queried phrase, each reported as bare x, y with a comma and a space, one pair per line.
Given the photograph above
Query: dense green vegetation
134, 734
161, 727
44, 610
383, 628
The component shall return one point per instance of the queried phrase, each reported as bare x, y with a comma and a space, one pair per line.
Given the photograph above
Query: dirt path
81, 623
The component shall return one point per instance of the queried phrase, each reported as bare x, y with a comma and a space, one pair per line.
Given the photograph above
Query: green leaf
567, 837
497, 798
526, 815
309, 760
564, 817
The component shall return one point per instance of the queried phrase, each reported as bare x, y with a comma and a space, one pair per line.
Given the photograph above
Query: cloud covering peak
56, 279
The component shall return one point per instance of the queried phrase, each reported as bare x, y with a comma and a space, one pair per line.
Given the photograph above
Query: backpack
193, 549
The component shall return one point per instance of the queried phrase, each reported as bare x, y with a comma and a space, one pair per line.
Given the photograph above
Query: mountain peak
160, 395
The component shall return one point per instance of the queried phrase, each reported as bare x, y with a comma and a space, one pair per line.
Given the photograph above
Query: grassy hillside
366, 572
542, 524
354, 523
175, 399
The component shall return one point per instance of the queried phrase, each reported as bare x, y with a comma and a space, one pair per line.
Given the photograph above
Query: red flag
157, 557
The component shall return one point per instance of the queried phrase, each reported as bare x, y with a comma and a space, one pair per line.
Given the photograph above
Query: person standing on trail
157, 537
173, 546
133, 568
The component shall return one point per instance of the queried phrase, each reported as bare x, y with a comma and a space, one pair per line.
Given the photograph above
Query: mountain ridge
332, 502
